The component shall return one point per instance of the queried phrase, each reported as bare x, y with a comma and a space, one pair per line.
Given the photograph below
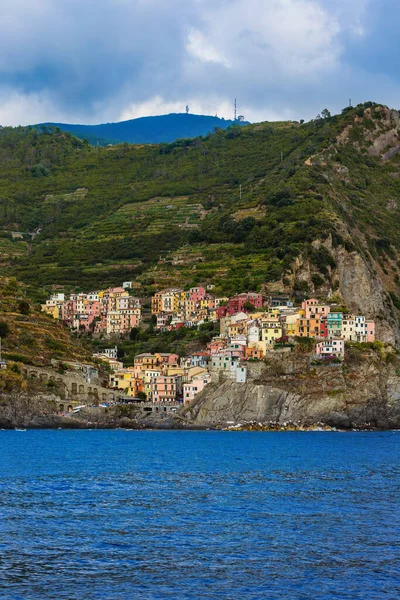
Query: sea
199, 514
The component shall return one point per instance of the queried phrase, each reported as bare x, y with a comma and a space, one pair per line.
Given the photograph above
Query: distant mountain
148, 130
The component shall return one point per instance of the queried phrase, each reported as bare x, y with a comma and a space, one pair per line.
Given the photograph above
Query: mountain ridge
146, 130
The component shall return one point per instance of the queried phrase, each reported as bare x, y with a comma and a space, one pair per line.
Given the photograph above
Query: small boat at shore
20, 429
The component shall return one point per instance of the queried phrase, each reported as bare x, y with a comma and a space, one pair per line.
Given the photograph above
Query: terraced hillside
10, 247
111, 213
307, 208
31, 337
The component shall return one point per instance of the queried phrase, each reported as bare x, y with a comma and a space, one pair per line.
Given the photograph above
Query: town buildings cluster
249, 329
159, 377
261, 323
112, 311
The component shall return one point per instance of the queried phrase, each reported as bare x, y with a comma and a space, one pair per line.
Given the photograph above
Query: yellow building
239, 328
145, 361
271, 332
166, 301
148, 376
196, 373
121, 380
291, 325
52, 310
53, 307
171, 371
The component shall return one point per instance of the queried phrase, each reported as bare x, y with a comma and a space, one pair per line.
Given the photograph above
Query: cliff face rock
357, 394
360, 287
363, 292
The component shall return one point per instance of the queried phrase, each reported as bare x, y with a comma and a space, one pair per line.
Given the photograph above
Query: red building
237, 304
323, 330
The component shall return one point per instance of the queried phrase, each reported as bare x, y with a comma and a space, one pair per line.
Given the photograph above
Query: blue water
177, 514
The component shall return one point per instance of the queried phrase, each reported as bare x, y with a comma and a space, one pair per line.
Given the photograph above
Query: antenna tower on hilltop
235, 112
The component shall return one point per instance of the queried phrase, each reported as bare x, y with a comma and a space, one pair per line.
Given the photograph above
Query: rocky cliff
362, 392
355, 281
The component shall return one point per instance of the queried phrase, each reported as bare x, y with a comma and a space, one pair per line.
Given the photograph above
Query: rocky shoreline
57, 422
285, 394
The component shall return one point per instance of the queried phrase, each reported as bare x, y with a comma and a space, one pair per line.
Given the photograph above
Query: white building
349, 328
111, 352
253, 334
333, 347
360, 328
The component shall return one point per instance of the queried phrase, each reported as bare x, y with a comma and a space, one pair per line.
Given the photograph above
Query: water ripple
159, 515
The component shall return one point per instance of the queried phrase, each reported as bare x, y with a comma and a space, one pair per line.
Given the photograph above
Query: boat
20, 429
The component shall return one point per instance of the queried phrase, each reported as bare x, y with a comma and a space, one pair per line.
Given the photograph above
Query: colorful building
333, 347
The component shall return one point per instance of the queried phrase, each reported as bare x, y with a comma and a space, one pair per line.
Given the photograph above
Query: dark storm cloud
96, 60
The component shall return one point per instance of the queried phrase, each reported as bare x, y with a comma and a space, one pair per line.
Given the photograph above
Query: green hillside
31, 337
235, 208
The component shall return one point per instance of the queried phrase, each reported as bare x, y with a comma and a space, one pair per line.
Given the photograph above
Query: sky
93, 61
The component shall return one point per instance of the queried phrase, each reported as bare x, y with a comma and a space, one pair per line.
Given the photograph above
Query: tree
304, 344
141, 396
4, 329
248, 306
134, 334
325, 114
24, 307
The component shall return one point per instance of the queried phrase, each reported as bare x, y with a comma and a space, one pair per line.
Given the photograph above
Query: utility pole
240, 191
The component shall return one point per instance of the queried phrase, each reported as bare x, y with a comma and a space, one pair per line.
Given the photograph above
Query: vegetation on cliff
236, 208
29, 336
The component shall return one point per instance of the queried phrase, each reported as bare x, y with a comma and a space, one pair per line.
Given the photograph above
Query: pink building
234, 352
165, 358
93, 308
68, 311
333, 347
163, 389
197, 294
190, 390
314, 309
370, 327
163, 320
216, 345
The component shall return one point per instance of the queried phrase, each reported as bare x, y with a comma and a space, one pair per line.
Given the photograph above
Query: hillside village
111, 312
250, 328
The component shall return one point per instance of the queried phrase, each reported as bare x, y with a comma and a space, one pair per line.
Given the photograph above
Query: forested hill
307, 209
146, 130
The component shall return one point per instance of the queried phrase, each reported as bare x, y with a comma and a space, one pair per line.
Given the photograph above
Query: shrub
304, 344
24, 307
4, 329
317, 280
395, 300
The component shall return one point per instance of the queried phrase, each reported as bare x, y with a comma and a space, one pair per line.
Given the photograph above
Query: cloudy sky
91, 61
